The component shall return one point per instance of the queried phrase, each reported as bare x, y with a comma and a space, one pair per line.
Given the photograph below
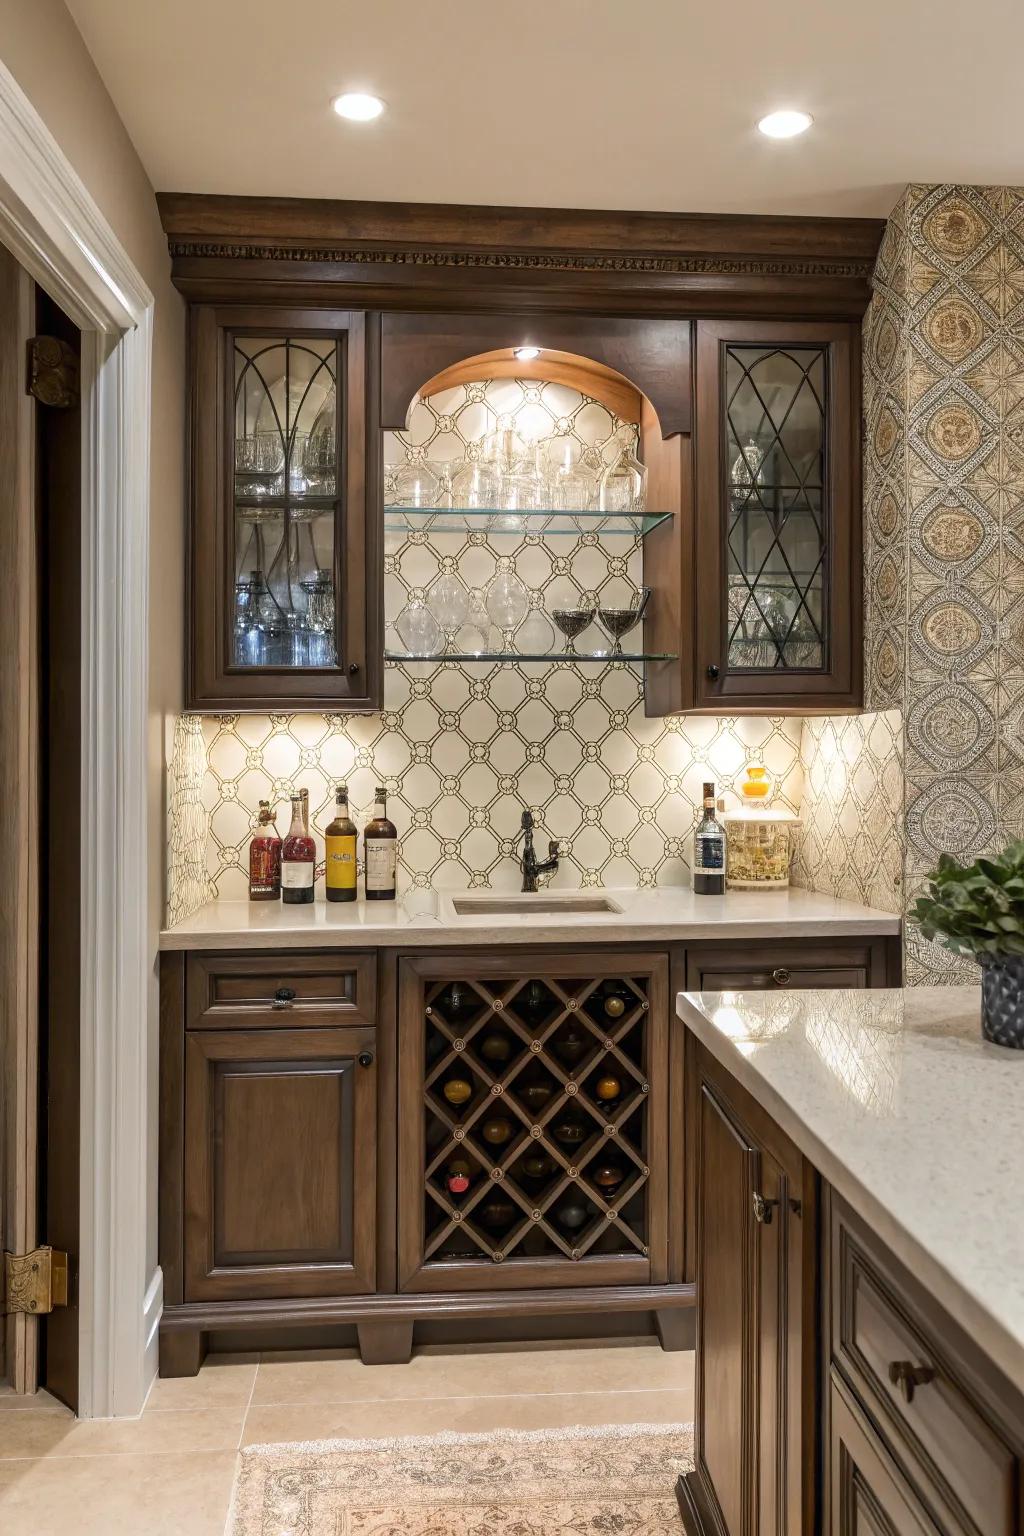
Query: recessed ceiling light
527, 354
785, 125
358, 107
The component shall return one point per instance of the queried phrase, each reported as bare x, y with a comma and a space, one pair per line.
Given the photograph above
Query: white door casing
49, 221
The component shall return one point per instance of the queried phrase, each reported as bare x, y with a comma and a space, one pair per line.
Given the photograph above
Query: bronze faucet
531, 866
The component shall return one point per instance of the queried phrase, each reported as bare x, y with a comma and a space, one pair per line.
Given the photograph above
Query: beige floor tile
327, 1421
220, 1384
129, 1495
14, 1402
631, 1369
58, 1434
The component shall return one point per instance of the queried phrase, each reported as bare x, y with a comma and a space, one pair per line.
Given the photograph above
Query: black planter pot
1002, 1000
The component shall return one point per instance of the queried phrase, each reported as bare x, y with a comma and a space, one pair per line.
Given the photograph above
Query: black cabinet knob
365, 1058
284, 997
782, 976
713, 672
353, 668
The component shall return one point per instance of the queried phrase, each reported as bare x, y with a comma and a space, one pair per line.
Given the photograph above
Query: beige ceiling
570, 103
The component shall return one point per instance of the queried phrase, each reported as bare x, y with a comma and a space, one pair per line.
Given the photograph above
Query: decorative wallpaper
944, 502
851, 841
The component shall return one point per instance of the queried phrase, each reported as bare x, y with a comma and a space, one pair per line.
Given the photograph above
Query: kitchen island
855, 1165
460, 1113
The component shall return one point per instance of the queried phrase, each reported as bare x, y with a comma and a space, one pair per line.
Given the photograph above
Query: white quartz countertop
666, 913
917, 1121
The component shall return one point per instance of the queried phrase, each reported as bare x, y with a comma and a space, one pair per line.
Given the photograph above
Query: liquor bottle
496, 1048
709, 850
615, 999
380, 851
265, 858
340, 839
298, 859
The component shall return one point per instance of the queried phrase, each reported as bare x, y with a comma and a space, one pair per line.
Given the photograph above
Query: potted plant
979, 910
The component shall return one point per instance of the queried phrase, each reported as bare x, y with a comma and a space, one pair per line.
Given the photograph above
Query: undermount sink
552, 904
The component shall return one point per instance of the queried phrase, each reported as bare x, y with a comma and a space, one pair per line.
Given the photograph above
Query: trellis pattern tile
851, 843
462, 755
944, 501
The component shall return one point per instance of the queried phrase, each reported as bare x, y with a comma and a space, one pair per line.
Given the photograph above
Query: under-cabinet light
527, 354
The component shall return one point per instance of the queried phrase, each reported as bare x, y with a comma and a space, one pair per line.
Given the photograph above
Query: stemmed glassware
617, 622
506, 601
448, 601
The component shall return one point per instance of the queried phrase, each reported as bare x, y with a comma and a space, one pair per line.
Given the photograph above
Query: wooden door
575, 1191
778, 543
19, 773
280, 1163
286, 586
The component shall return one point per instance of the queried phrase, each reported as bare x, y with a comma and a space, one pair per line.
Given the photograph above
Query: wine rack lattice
536, 1109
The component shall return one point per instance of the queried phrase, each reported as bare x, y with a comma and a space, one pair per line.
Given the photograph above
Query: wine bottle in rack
380, 851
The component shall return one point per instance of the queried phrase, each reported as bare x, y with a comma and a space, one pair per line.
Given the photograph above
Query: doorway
40, 767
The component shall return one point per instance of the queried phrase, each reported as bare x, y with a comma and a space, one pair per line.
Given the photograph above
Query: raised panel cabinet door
866, 1495
728, 1176
286, 565
778, 515
280, 1163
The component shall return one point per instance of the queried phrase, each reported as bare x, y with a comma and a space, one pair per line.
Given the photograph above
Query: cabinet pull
353, 668
713, 672
763, 1209
908, 1377
781, 976
284, 997
365, 1058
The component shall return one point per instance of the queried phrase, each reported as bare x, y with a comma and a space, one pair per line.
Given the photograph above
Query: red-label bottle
298, 858
265, 858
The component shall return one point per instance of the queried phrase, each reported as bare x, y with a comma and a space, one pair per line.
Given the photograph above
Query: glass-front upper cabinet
778, 528
285, 562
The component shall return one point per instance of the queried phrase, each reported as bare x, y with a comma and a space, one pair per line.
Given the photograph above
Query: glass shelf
568, 658
495, 522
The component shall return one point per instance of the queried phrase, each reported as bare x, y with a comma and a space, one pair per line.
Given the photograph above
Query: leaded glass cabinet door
778, 547
285, 569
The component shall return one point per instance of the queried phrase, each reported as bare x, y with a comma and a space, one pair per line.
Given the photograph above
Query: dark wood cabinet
777, 520
868, 1495
715, 966
755, 1207
285, 589
279, 1171
320, 1164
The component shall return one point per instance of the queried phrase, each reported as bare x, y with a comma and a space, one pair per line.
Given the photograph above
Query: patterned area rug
610, 1481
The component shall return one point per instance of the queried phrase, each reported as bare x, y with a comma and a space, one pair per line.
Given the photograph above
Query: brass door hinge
52, 372
35, 1282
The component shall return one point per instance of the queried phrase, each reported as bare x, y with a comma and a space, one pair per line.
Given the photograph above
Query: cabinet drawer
292, 990
902, 1369
751, 968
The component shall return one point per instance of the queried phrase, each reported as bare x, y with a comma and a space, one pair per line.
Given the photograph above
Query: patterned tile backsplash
463, 748
944, 524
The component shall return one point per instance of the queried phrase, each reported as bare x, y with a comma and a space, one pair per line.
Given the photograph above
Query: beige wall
43, 49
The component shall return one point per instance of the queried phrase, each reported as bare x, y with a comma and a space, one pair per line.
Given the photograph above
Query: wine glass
572, 622
418, 630
448, 601
416, 485
535, 636
506, 601
618, 622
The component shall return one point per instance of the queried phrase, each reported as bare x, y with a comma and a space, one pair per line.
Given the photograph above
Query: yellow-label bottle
340, 839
